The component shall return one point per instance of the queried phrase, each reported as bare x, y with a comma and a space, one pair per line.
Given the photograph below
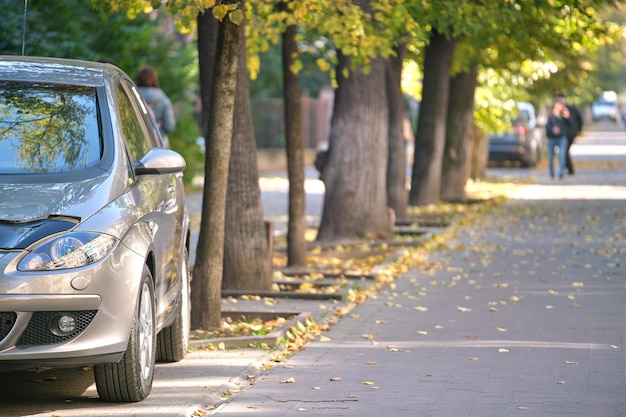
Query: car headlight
70, 250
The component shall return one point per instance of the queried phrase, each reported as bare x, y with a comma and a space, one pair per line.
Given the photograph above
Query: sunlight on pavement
311, 186
570, 192
603, 150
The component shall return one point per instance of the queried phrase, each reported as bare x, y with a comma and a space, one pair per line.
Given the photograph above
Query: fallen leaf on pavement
291, 380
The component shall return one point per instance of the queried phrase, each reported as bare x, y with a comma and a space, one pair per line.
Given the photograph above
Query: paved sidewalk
525, 317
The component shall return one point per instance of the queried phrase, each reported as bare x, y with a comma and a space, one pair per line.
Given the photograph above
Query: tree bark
355, 202
431, 130
296, 243
397, 195
207, 49
460, 117
479, 153
247, 261
207, 276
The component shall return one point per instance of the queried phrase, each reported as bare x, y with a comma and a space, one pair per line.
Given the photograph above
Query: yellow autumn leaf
220, 11
236, 16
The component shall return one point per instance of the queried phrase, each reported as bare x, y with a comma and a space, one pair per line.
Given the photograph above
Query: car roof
55, 70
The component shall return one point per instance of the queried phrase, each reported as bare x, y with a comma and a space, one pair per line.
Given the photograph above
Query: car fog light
63, 324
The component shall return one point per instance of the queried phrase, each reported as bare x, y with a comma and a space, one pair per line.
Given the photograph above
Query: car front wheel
130, 379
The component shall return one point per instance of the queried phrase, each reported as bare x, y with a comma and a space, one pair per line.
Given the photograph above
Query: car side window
147, 115
132, 126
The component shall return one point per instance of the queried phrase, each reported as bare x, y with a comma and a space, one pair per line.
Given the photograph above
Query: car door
156, 196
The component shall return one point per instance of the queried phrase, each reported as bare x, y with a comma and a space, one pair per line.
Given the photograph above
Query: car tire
530, 155
173, 341
130, 379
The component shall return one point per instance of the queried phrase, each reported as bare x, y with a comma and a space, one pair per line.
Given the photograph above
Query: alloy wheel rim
145, 331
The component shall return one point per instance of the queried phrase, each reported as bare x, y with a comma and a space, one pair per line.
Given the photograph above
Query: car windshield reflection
47, 128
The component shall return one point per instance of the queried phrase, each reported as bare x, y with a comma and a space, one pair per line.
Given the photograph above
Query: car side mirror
159, 161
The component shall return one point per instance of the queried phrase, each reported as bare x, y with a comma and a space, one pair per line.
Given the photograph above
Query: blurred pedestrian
161, 106
575, 128
557, 126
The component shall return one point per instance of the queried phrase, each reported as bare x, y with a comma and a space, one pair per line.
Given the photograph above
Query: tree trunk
397, 195
296, 244
479, 153
247, 261
207, 276
207, 49
458, 133
431, 130
355, 202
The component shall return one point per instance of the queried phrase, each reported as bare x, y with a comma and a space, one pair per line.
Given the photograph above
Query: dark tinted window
48, 128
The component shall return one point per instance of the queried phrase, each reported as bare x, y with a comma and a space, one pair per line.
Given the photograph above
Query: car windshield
47, 128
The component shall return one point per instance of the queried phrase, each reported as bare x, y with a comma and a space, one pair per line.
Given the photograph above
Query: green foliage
269, 80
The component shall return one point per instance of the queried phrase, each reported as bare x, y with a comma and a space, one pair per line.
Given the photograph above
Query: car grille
7, 320
38, 331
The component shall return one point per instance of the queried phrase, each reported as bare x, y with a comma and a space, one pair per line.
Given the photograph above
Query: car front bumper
98, 300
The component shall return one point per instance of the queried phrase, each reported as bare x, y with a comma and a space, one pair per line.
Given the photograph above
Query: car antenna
24, 27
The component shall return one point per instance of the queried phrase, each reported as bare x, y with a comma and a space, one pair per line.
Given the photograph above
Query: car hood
25, 201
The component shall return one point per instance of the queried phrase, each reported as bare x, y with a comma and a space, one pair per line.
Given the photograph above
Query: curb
272, 339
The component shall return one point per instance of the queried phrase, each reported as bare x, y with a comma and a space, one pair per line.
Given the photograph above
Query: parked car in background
94, 230
523, 143
606, 107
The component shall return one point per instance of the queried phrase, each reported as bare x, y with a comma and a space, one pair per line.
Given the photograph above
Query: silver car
94, 231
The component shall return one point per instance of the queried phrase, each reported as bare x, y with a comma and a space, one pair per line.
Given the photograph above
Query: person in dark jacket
161, 106
556, 129
575, 129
